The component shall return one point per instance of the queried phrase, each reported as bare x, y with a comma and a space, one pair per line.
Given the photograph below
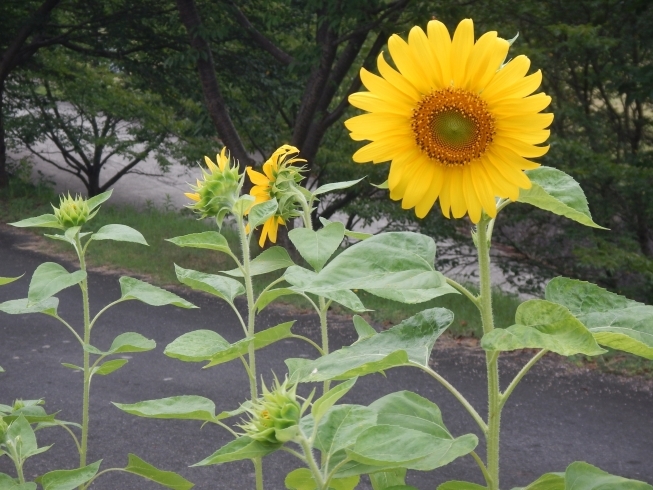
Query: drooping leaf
135, 289
222, 287
241, 448
317, 247
544, 325
119, 233
8, 280
196, 346
186, 407
20, 307
48, 279
555, 191
260, 340
410, 341
550, 481
270, 260
615, 321
326, 401
130, 342
335, 186
109, 367
210, 240
269, 296
166, 478
261, 212
43, 221
69, 479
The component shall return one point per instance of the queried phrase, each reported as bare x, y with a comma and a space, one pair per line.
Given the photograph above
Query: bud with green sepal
73, 211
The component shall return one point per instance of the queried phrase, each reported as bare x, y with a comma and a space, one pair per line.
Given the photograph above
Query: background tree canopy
252, 74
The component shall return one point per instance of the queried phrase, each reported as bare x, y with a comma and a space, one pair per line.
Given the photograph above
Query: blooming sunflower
277, 182
455, 122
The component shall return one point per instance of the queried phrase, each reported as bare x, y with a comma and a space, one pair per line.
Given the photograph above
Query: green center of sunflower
452, 126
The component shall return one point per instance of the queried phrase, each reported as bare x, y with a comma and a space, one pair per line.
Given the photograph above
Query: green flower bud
3, 429
216, 195
72, 211
272, 413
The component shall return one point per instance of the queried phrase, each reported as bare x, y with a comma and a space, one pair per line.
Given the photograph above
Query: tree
93, 115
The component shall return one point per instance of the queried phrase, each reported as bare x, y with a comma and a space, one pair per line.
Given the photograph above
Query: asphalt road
556, 416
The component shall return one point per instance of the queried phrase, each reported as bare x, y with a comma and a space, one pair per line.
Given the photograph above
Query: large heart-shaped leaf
302, 282
166, 478
48, 279
196, 346
317, 247
222, 287
210, 240
119, 233
615, 321
187, 407
69, 479
543, 325
260, 340
340, 427
20, 307
135, 289
43, 221
555, 191
397, 266
270, 260
410, 341
241, 448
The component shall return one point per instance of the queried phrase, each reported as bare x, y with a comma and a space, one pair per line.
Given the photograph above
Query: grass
20, 200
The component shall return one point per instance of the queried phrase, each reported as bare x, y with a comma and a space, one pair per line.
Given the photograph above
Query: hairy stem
527, 367
325, 335
312, 464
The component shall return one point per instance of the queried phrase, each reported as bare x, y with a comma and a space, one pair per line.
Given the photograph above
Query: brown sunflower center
452, 126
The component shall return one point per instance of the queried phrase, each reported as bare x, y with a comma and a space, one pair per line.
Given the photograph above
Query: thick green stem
312, 464
87, 362
494, 396
325, 335
251, 321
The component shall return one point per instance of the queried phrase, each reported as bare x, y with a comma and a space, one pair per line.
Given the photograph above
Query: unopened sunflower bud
217, 194
3, 430
72, 211
273, 413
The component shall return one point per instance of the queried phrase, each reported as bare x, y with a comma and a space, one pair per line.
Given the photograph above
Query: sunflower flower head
279, 180
72, 211
273, 413
457, 124
216, 195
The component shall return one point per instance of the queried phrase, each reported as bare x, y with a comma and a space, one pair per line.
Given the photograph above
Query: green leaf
300, 479
187, 407
241, 448
130, 342
8, 280
317, 247
72, 366
109, 366
272, 259
166, 478
462, 485
196, 346
9, 483
302, 280
48, 279
580, 475
211, 240
543, 325
270, 295
20, 427
261, 212
555, 191
31, 410
94, 202
346, 298
323, 189
119, 233
134, 289
222, 287
383, 480
363, 329
550, 481
43, 221
397, 266
340, 427
69, 479
410, 341
260, 340
615, 321
356, 235
326, 401
20, 307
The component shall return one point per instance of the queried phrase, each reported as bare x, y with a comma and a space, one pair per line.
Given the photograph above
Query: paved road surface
556, 416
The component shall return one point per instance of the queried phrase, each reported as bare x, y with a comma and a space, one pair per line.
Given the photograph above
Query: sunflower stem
487, 317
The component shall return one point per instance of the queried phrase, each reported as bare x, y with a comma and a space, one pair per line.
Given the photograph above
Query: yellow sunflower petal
511, 73
461, 47
512, 158
382, 151
520, 106
193, 196
484, 189
524, 149
486, 58
210, 164
373, 103
532, 122
432, 193
502, 187
418, 186
530, 137
458, 206
382, 88
222, 159
445, 194
511, 173
524, 87
472, 201
396, 79
407, 176
422, 54
401, 55
441, 43
257, 178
